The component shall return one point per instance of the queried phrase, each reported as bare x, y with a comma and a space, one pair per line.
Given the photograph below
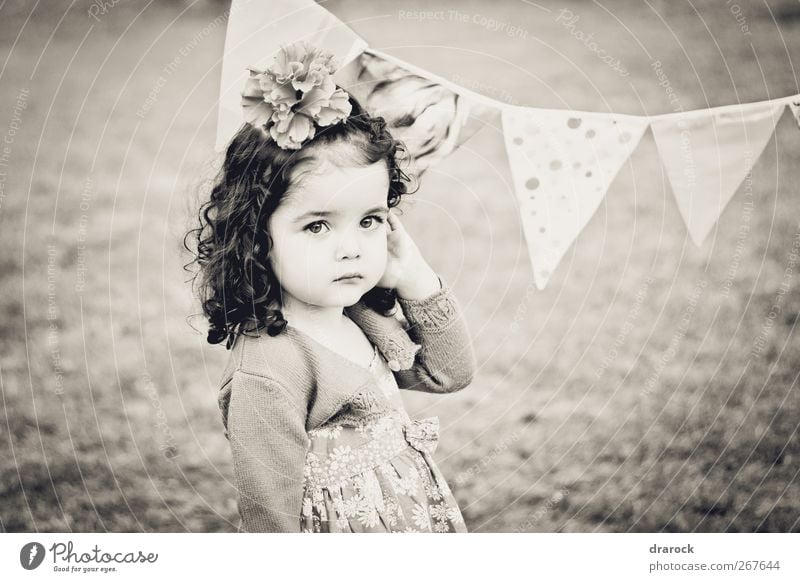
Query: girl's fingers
394, 221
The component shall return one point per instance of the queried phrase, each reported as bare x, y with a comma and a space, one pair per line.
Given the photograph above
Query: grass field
647, 388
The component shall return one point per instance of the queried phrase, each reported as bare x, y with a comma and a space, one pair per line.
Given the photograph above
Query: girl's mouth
349, 277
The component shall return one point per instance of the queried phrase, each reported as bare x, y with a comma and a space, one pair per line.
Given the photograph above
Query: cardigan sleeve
266, 430
446, 361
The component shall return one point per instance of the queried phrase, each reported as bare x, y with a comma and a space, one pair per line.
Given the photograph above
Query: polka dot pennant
562, 164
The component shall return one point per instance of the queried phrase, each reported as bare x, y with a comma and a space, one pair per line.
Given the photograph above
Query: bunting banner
562, 162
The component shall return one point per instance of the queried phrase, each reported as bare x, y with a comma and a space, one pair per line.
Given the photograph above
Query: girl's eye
316, 227
373, 221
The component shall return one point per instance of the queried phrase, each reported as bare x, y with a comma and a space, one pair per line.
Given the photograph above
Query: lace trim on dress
359, 409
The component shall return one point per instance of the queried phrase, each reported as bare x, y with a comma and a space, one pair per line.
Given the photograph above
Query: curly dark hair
238, 291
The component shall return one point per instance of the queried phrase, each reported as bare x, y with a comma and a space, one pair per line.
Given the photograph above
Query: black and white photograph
296, 266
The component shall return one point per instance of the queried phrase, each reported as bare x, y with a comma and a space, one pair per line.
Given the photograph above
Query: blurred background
651, 387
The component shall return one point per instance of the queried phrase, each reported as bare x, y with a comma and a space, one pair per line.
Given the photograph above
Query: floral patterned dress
371, 470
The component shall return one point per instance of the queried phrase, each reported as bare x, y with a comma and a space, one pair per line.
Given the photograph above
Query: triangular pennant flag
256, 31
707, 154
431, 116
562, 163
794, 105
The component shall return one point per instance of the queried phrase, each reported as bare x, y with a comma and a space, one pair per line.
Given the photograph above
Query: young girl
301, 256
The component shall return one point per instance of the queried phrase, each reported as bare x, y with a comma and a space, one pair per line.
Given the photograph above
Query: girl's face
332, 223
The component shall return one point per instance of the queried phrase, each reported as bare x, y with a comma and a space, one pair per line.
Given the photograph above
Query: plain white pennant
707, 155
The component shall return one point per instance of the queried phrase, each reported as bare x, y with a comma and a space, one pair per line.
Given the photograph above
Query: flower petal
256, 111
337, 109
288, 62
290, 133
301, 128
252, 88
282, 96
316, 99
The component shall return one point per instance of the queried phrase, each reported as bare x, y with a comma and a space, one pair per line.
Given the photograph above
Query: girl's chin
343, 292
349, 288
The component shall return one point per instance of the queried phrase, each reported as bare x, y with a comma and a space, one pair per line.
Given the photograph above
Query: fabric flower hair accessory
295, 95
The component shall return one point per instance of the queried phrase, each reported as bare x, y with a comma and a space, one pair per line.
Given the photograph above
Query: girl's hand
406, 269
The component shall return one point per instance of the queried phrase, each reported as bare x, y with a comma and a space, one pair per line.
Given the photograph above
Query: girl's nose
349, 246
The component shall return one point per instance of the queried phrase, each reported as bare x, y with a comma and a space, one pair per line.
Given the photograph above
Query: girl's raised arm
446, 362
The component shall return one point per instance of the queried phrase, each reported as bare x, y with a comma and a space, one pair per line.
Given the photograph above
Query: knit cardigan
276, 389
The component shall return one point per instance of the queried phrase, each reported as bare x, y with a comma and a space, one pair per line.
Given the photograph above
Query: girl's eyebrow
324, 213
377, 209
